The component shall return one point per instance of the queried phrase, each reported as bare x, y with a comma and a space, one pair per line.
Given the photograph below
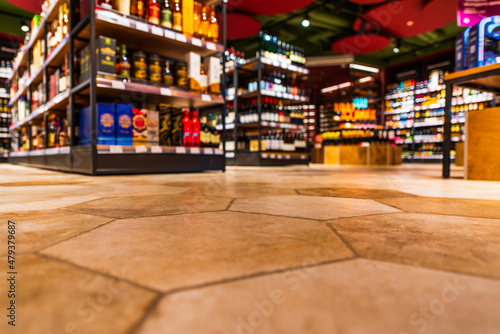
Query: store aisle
254, 250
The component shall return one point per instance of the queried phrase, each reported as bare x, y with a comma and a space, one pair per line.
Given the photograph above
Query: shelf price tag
196, 42
180, 150
279, 156
118, 84
211, 46
116, 149
218, 151
142, 26
276, 63
156, 149
157, 31
288, 157
181, 38
208, 150
123, 21
195, 150
206, 98
166, 91
141, 149
169, 34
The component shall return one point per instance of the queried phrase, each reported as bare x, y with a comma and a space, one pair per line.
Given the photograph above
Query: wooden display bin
373, 155
460, 154
482, 155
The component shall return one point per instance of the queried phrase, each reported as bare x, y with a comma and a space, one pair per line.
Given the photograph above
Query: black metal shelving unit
103, 159
255, 67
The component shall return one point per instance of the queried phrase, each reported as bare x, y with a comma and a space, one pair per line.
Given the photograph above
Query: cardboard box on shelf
153, 131
214, 71
124, 128
140, 126
193, 63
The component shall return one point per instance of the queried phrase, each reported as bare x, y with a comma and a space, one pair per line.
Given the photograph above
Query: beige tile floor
317, 249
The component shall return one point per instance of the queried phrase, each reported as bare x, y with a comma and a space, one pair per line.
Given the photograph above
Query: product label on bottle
166, 18
177, 21
154, 14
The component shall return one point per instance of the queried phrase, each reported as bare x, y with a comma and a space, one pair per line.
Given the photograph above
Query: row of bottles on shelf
372, 136
274, 49
187, 16
5, 68
5, 146
150, 124
424, 151
272, 110
191, 73
58, 134
273, 141
279, 82
234, 58
434, 82
4, 123
428, 134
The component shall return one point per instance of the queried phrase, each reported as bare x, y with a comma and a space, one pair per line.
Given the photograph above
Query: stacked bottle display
192, 73
190, 17
272, 110
272, 141
277, 82
276, 50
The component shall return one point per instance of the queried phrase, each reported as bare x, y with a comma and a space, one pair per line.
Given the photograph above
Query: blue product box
124, 128
484, 41
106, 127
461, 47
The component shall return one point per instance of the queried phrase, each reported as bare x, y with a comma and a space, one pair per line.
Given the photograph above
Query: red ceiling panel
360, 44
241, 26
34, 6
268, 7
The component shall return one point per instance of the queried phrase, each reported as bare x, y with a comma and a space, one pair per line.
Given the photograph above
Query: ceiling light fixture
305, 22
365, 79
332, 88
397, 47
25, 24
364, 68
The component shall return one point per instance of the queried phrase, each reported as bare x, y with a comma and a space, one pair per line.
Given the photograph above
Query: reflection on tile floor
254, 250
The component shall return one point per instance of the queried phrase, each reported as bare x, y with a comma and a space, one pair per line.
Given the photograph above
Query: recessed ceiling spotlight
305, 22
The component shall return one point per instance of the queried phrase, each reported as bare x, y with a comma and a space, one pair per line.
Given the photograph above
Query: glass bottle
203, 79
213, 30
204, 24
124, 62
177, 16
153, 12
196, 18
168, 77
166, 15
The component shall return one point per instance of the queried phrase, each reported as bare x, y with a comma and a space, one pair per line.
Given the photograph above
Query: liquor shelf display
107, 87
481, 157
415, 110
267, 107
5, 113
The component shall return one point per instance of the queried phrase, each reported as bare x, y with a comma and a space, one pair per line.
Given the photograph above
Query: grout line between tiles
154, 216
76, 235
269, 214
432, 268
152, 306
53, 258
230, 204
342, 239
256, 275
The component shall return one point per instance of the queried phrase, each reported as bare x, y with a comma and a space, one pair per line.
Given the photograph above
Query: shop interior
304, 166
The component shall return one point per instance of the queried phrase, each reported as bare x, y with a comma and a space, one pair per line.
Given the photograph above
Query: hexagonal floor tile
179, 251
349, 297
468, 245
150, 206
36, 230
311, 207
447, 206
53, 297
353, 193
